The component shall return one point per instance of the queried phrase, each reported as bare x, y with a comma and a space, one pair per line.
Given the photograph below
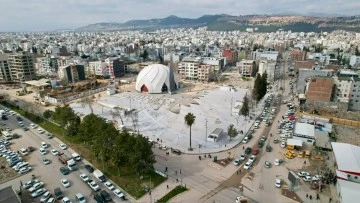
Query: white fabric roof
347, 157
294, 142
349, 191
305, 129
153, 77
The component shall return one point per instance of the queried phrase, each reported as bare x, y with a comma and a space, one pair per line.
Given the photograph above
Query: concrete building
188, 68
95, 67
22, 67
320, 89
246, 67
304, 132
304, 65
306, 74
265, 55
348, 91
216, 64
230, 55
269, 67
354, 60
72, 73
298, 55
5, 74
42, 66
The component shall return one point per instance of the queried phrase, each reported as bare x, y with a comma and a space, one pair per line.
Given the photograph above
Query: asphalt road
49, 174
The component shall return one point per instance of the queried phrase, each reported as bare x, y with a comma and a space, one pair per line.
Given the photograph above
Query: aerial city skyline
39, 15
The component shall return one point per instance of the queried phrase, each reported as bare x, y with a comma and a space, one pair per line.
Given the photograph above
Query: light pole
206, 121
231, 106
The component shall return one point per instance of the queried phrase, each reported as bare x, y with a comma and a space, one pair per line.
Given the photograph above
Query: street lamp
206, 121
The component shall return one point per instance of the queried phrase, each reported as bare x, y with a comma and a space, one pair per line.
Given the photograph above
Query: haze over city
40, 15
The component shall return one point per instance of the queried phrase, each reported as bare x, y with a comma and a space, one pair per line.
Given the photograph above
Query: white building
305, 132
188, 67
42, 66
354, 60
95, 67
269, 67
246, 67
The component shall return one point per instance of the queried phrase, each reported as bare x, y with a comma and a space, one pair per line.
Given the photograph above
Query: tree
47, 114
189, 121
357, 52
257, 88
264, 84
232, 132
144, 55
245, 107
87, 101
67, 119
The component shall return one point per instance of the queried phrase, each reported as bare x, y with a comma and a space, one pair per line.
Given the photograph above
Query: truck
99, 175
69, 162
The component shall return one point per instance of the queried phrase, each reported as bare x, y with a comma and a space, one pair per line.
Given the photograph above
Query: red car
316, 186
30, 149
255, 151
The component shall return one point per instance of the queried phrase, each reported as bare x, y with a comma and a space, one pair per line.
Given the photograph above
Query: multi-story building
246, 67
72, 73
42, 66
348, 89
230, 55
5, 74
298, 55
354, 60
204, 72
95, 67
269, 67
354, 102
188, 68
264, 55
22, 66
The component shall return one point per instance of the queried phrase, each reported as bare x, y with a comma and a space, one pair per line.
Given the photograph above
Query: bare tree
87, 101
116, 113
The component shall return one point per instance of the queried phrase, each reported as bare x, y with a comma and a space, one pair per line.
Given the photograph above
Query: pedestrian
317, 196
180, 171
237, 172
310, 197
243, 147
177, 180
165, 168
167, 186
330, 200
175, 172
305, 162
307, 196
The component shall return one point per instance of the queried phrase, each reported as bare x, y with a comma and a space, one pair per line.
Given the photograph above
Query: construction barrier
345, 122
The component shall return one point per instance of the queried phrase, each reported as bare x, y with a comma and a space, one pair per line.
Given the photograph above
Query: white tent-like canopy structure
155, 78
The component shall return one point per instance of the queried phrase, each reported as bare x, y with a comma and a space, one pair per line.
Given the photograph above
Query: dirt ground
6, 173
347, 134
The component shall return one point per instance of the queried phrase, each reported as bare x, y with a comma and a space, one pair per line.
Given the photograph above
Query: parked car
45, 196
84, 177
247, 165
268, 148
248, 150
303, 174
237, 162
64, 171
307, 178
65, 200
119, 194
106, 195
242, 157
98, 198
58, 193
89, 168
267, 164
80, 198
65, 183
36, 186
94, 185
252, 158
62, 146
38, 192
278, 183
109, 185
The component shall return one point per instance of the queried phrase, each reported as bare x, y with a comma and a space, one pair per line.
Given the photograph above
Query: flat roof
349, 191
322, 139
8, 195
305, 129
347, 157
37, 83
294, 142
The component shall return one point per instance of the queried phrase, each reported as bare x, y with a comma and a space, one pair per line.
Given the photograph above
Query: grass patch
125, 177
177, 190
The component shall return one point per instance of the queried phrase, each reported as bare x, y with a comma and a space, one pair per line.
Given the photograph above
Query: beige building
188, 68
246, 67
22, 66
4, 68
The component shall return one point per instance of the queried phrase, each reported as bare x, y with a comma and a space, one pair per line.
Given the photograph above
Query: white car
45, 196
66, 200
42, 151
24, 170
24, 151
307, 178
40, 131
94, 186
36, 186
62, 146
51, 200
252, 158
109, 185
242, 157
317, 177
245, 140
276, 162
84, 177
54, 152
44, 145
46, 161
33, 126
278, 183
283, 145
65, 183
237, 162
118, 193
247, 165
303, 174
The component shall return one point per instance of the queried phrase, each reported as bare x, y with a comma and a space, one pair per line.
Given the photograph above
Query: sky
47, 15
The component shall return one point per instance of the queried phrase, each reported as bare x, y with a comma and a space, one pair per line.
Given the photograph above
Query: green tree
264, 84
245, 107
67, 119
232, 131
47, 114
257, 88
144, 55
189, 121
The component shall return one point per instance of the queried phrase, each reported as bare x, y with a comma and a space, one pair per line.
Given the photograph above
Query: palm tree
189, 121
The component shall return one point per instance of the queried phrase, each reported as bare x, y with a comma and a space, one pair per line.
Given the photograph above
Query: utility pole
231, 106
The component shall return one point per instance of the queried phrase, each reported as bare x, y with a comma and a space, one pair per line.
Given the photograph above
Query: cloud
18, 15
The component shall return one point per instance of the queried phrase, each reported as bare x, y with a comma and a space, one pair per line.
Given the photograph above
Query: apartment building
22, 66
204, 72
188, 67
348, 89
354, 60
264, 55
230, 55
269, 67
72, 73
95, 67
246, 67
298, 55
5, 74
42, 66
354, 102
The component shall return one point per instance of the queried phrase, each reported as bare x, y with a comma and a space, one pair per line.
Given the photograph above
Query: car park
62, 146
38, 192
65, 183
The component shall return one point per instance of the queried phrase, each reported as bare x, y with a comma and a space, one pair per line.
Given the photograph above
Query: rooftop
349, 191
8, 195
350, 162
305, 129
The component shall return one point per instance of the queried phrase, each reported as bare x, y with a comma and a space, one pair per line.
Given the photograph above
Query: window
356, 177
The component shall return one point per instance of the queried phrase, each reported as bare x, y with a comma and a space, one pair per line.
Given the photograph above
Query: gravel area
6, 173
347, 134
